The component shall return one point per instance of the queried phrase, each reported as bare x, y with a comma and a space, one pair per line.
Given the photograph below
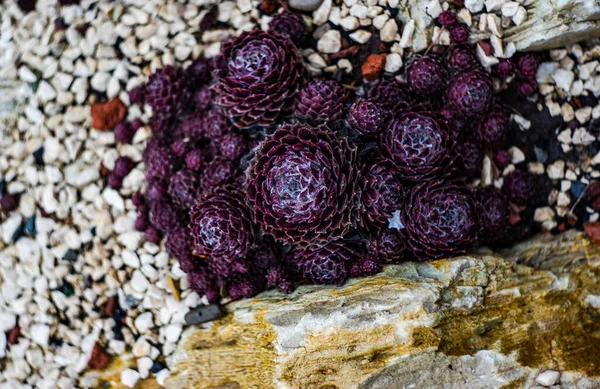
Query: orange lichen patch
373, 66
105, 116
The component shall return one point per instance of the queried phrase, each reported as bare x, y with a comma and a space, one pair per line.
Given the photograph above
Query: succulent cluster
259, 176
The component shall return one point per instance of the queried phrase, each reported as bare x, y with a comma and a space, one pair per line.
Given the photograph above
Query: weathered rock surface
549, 24
555, 23
477, 321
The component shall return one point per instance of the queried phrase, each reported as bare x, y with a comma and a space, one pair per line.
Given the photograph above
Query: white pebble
129, 377
40, 333
389, 31
330, 42
548, 378
520, 17
360, 36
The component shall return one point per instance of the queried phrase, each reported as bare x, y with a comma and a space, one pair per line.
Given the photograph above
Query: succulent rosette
387, 244
470, 94
258, 76
493, 129
469, 158
301, 185
165, 216
439, 219
320, 101
494, 214
367, 117
222, 227
461, 58
167, 91
389, 93
328, 264
180, 243
518, 187
184, 187
425, 75
382, 192
418, 143
290, 24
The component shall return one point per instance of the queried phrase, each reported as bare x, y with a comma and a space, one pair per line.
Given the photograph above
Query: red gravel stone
373, 66
105, 116
99, 358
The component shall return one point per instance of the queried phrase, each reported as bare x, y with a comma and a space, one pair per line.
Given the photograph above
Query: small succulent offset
494, 214
381, 192
320, 101
418, 143
470, 93
440, 218
367, 117
258, 76
425, 75
167, 91
328, 264
301, 186
221, 225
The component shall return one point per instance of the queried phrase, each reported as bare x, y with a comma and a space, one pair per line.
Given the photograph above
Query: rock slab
476, 321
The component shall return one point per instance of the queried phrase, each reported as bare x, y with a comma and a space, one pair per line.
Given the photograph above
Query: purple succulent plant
382, 192
222, 227
320, 101
439, 219
418, 143
258, 76
167, 91
301, 186
470, 94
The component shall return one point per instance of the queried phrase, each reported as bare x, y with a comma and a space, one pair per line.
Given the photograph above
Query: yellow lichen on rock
480, 320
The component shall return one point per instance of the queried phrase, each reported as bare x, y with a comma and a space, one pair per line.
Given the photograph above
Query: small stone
543, 214
373, 66
330, 42
173, 332
509, 9
517, 156
520, 17
360, 36
129, 377
567, 112
321, 14
349, 23
99, 358
407, 34
389, 31
40, 333
582, 137
434, 8
474, 6
144, 365
144, 322
548, 378
556, 171
359, 11
106, 116
204, 313
563, 78
379, 21
305, 5
545, 72
393, 63
583, 114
